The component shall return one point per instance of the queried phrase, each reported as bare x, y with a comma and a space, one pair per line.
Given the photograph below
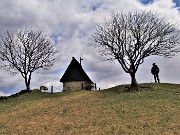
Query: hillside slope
154, 110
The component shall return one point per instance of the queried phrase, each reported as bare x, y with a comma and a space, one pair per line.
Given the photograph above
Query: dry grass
149, 112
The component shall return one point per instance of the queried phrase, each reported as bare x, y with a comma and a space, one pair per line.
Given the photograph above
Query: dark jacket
155, 69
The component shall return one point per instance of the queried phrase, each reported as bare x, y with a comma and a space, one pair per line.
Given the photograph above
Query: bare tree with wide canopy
131, 37
26, 51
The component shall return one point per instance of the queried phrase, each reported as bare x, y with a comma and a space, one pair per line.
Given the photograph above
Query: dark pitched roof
75, 72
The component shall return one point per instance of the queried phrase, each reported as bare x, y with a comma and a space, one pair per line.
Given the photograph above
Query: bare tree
131, 37
26, 51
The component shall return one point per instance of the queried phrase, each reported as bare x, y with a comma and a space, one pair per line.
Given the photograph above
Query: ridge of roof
75, 72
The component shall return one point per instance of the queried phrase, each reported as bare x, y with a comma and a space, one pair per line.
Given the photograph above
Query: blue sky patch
177, 3
146, 1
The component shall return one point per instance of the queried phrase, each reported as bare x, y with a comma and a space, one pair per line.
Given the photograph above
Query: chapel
75, 78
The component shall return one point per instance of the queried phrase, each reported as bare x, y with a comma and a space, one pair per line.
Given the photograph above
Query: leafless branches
131, 37
26, 51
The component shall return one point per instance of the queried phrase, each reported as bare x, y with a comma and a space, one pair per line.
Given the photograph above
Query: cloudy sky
70, 24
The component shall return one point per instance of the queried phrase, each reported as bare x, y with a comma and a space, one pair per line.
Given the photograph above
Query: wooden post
95, 86
82, 87
51, 89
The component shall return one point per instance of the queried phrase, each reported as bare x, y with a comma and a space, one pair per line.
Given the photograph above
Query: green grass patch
153, 110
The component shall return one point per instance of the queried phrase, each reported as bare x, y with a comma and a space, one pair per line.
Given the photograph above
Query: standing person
155, 72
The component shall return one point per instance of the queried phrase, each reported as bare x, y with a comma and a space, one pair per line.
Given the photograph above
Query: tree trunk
27, 82
28, 88
27, 85
134, 86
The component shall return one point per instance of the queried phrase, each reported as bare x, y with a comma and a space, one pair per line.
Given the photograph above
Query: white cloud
4, 94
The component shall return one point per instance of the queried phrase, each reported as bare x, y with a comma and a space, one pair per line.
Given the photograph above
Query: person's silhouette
155, 72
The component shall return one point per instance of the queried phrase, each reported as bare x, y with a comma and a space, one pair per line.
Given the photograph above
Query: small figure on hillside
155, 72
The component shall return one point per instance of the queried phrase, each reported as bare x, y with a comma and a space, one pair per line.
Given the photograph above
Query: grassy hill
155, 110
